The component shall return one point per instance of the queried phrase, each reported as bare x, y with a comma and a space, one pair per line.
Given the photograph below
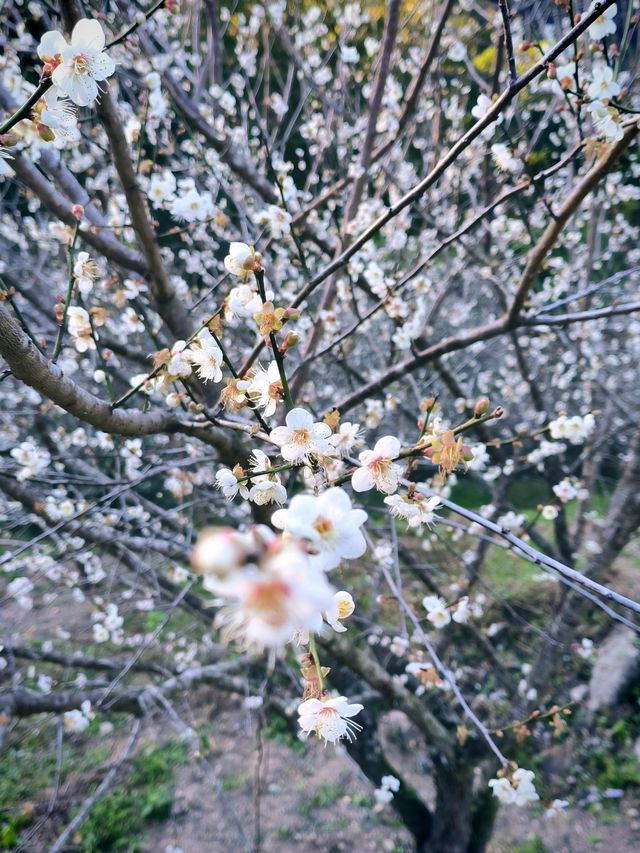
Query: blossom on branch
329, 719
301, 438
328, 524
78, 67
377, 469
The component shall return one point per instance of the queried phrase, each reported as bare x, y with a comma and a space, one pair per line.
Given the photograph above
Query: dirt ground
316, 799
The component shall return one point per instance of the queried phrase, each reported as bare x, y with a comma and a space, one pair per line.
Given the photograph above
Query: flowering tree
283, 288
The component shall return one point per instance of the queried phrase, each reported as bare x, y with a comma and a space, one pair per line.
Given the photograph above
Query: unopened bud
8, 140
481, 407
551, 71
426, 404
45, 133
291, 314
526, 45
498, 412
290, 340
77, 211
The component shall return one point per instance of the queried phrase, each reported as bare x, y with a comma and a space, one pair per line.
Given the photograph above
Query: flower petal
387, 446
361, 480
299, 419
88, 34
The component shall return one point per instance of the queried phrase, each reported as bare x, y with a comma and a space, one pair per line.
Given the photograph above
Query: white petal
387, 446
361, 480
51, 43
310, 706
88, 34
102, 66
298, 419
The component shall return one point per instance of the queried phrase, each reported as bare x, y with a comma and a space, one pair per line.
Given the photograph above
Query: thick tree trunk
462, 822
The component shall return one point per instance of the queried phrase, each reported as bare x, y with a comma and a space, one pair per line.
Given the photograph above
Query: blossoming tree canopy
319, 341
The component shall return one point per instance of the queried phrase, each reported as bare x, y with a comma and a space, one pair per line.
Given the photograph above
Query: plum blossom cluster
273, 589
515, 789
389, 785
575, 430
440, 614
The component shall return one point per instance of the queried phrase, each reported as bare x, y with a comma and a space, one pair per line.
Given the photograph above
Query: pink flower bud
77, 211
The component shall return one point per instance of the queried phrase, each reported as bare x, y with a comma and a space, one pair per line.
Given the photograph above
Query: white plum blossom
555, 808
85, 271
242, 261
605, 24
565, 490
56, 113
343, 607
480, 457
519, 790
267, 604
606, 121
482, 107
20, 590
346, 438
268, 491
78, 720
276, 219
389, 785
229, 485
31, 458
512, 520
82, 63
162, 187
264, 388
377, 468
179, 364
207, 357
603, 84
437, 611
462, 611
244, 301
504, 158
192, 206
328, 524
301, 437
416, 510
576, 429
331, 719
79, 326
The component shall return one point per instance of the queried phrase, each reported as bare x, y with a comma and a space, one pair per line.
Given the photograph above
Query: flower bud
481, 407
290, 340
45, 133
291, 314
77, 211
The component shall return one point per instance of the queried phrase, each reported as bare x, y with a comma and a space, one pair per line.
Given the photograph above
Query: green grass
28, 768
530, 845
323, 797
118, 821
279, 731
508, 575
